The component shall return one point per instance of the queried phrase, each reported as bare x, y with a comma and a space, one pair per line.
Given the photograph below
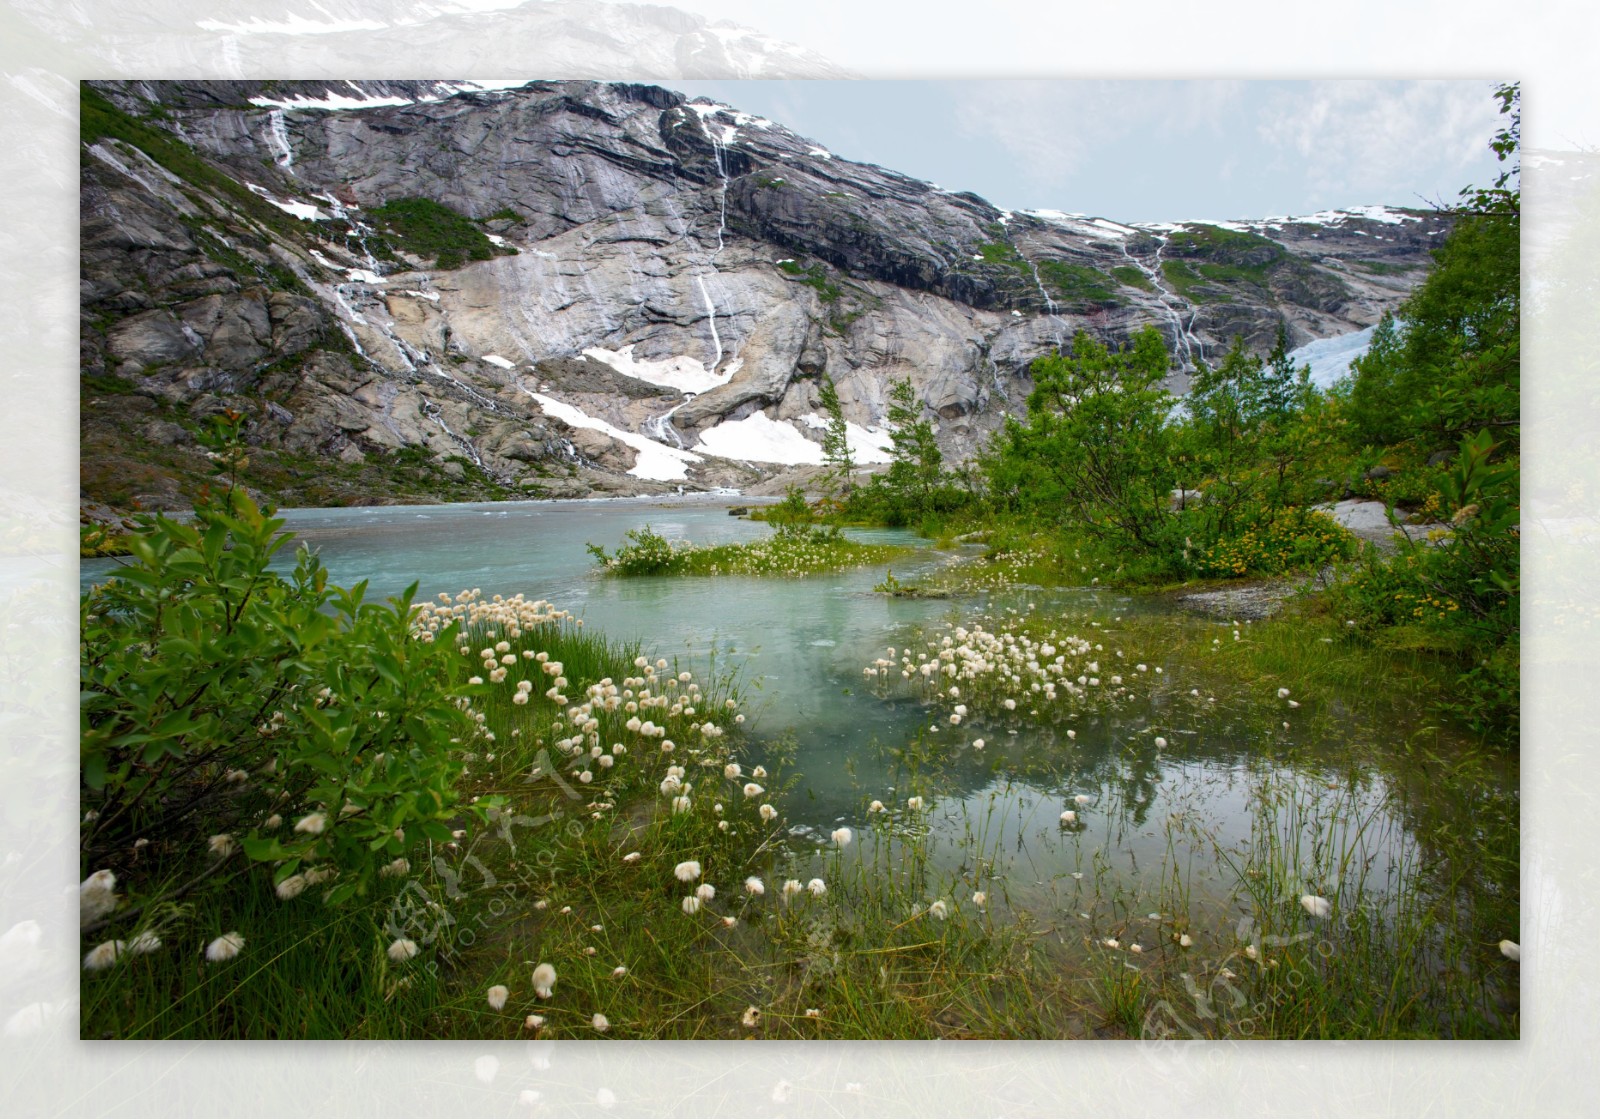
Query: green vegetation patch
1190, 284
432, 230
1131, 277
815, 276
1079, 283
1002, 253
794, 550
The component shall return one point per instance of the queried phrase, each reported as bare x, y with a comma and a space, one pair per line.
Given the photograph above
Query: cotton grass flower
600, 1023
753, 790
103, 956
791, 887
940, 909
403, 950
914, 804
1511, 951
1315, 905
817, 887
751, 1018
706, 892
533, 1022
633, 857
497, 996
979, 898
768, 813
687, 871
1161, 742
221, 846
619, 972
1283, 693
544, 980
875, 807
732, 771
1069, 817
226, 947
312, 824
146, 942
1082, 799
691, 904
291, 887
842, 837
755, 886
1185, 940
97, 896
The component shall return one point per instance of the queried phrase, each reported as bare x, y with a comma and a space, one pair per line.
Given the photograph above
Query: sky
1151, 150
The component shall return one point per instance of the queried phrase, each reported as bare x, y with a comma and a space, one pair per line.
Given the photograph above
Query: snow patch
867, 445
329, 103
683, 373
496, 239
434, 296
302, 210
363, 276
656, 461
821, 153
760, 439
497, 360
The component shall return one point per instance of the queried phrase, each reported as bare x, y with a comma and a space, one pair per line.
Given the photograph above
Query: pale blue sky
1150, 150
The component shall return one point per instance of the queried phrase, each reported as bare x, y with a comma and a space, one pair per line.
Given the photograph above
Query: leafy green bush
1459, 595
647, 554
1273, 541
226, 709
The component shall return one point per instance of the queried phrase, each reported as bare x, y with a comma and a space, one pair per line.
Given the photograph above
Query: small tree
836, 437
917, 463
1096, 449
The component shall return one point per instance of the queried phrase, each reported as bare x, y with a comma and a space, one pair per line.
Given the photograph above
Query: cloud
1371, 138
1056, 129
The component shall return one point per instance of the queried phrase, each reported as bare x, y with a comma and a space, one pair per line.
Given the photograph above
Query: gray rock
152, 338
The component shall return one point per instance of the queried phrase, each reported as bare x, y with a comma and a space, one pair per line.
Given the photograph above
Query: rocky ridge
424, 290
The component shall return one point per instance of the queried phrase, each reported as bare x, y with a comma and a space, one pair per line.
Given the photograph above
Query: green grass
432, 230
788, 552
1002, 253
1077, 283
816, 277
1131, 277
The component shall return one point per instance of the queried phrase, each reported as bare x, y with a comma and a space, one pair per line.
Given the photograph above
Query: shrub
227, 709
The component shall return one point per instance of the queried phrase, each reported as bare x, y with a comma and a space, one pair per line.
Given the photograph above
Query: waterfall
660, 429
278, 132
1184, 340
1050, 304
437, 415
717, 147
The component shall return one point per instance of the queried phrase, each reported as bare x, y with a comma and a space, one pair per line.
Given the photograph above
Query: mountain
434, 290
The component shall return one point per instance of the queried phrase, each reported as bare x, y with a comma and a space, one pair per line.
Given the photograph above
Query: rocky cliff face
574, 287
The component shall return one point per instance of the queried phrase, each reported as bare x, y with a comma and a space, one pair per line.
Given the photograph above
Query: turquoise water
1158, 820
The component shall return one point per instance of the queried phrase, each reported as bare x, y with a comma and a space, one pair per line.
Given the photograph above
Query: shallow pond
1167, 832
